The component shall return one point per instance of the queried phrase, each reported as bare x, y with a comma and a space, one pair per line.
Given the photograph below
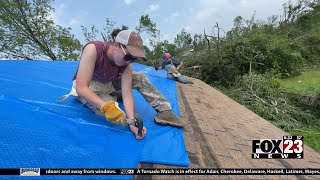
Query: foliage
311, 137
282, 45
146, 25
260, 94
27, 32
308, 80
159, 48
108, 27
311, 97
183, 40
305, 32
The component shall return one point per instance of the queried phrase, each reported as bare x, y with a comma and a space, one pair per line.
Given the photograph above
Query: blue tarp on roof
36, 131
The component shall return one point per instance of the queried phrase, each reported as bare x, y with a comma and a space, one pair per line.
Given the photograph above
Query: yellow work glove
113, 113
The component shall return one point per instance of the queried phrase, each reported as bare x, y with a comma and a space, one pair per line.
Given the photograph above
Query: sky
170, 16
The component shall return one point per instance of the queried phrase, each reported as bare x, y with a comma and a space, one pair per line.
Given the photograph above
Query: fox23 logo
289, 147
127, 171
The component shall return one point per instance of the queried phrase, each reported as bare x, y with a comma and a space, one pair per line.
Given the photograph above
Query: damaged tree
27, 32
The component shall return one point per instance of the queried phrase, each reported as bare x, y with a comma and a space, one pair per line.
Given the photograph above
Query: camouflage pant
111, 91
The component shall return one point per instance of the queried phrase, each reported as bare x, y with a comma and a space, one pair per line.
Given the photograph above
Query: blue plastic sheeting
36, 131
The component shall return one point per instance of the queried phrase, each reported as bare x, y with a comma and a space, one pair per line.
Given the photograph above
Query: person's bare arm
84, 76
126, 86
180, 66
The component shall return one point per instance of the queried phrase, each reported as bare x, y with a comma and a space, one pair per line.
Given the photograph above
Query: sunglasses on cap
127, 56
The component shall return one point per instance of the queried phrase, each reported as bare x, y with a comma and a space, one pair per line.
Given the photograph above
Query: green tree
27, 32
146, 25
159, 49
91, 35
305, 33
183, 40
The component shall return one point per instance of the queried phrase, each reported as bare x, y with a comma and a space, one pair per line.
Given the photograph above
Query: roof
219, 135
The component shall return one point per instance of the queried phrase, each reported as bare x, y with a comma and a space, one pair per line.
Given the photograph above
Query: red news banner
204, 171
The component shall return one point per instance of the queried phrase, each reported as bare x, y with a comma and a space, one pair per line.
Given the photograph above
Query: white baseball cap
133, 43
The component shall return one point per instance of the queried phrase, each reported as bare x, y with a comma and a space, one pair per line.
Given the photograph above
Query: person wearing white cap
105, 74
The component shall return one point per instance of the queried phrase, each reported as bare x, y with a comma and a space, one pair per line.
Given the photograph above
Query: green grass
311, 137
308, 82
308, 118
299, 84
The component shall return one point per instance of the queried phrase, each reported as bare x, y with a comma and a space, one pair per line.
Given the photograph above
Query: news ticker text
203, 171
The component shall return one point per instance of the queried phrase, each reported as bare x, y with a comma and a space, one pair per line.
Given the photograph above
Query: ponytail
114, 33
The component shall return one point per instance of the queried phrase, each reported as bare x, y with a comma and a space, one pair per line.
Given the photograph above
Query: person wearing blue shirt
173, 68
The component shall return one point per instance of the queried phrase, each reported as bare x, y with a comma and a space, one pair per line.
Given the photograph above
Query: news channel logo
289, 147
29, 171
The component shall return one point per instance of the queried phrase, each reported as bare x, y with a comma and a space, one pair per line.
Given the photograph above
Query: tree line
283, 44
